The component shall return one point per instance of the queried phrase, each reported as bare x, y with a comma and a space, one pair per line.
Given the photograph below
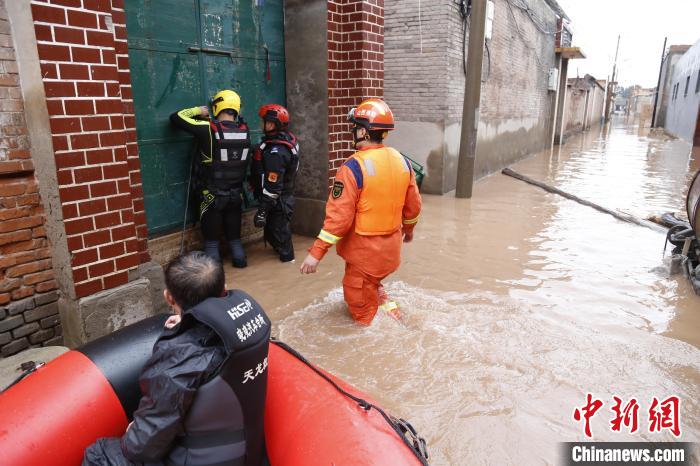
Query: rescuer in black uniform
224, 147
274, 170
204, 386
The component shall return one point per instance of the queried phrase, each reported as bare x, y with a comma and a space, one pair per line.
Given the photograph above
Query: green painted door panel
175, 85
181, 52
165, 200
161, 22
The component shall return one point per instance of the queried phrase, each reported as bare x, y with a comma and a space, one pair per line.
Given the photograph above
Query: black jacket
169, 381
275, 166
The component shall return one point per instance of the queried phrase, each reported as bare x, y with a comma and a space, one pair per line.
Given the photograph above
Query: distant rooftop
589, 81
678, 48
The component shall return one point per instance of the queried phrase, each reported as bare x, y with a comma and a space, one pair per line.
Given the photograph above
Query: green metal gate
181, 52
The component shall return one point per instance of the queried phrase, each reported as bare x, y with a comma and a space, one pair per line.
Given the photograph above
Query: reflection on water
491, 380
517, 303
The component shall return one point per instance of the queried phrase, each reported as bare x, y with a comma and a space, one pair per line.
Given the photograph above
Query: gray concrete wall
424, 85
666, 90
425, 143
597, 104
576, 103
682, 112
306, 49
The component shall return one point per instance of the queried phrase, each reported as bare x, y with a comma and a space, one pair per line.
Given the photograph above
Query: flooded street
516, 304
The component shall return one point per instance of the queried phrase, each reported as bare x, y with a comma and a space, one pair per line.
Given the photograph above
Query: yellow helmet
226, 99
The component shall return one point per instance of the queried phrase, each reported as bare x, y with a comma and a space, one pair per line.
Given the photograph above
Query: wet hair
229, 111
194, 277
376, 136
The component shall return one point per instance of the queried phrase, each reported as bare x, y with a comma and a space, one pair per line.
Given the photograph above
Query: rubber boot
238, 254
211, 249
288, 257
286, 251
387, 305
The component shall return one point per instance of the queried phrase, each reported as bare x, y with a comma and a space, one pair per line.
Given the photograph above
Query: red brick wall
28, 307
85, 68
355, 68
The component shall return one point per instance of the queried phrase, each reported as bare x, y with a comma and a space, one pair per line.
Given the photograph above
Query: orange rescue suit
374, 200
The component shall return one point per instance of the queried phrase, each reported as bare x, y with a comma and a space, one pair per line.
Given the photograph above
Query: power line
522, 36
531, 15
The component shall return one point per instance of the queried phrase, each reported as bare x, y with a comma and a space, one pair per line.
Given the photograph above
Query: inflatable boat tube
314, 418
311, 417
52, 415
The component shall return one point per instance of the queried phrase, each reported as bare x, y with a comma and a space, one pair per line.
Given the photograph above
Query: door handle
226, 53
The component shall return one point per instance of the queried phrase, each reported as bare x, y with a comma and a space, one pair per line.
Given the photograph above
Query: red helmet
372, 114
275, 113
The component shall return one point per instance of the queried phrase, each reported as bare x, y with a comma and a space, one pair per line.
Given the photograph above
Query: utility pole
611, 85
658, 85
472, 97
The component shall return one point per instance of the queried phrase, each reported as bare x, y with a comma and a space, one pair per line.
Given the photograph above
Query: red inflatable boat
311, 417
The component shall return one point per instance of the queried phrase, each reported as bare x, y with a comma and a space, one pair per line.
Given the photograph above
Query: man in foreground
204, 386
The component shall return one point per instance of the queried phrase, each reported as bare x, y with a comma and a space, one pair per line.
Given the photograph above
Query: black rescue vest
224, 425
229, 157
289, 141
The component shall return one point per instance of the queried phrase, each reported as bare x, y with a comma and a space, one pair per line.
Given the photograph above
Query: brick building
28, 297
425, 44
585, 104
88, 179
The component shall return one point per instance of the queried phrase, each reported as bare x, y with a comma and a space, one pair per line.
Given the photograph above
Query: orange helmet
275, 113
372, 114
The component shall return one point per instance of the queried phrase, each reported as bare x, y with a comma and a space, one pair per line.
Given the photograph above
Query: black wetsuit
274, 169
224, 148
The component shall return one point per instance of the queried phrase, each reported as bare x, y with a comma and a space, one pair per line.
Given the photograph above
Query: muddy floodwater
516, 304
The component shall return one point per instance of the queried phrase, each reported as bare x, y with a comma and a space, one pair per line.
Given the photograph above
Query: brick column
28, 307
84, 65
355, 68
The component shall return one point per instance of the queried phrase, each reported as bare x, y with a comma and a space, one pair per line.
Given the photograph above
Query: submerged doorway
181, 52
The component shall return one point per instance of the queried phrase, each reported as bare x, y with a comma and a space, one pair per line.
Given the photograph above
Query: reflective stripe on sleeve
269, 194
328, 238
411, 221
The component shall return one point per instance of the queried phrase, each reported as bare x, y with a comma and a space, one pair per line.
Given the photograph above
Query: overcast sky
643, 24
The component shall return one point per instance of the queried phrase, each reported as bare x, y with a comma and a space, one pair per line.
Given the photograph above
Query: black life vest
289, 141
230, 147
224, 424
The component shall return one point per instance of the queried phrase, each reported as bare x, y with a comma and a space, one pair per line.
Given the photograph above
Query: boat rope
402, 427
27, 368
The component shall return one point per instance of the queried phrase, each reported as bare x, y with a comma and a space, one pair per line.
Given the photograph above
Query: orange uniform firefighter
373, 204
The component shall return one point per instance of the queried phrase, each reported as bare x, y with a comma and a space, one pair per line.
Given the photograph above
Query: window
687, 85
697, 84
675, 91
